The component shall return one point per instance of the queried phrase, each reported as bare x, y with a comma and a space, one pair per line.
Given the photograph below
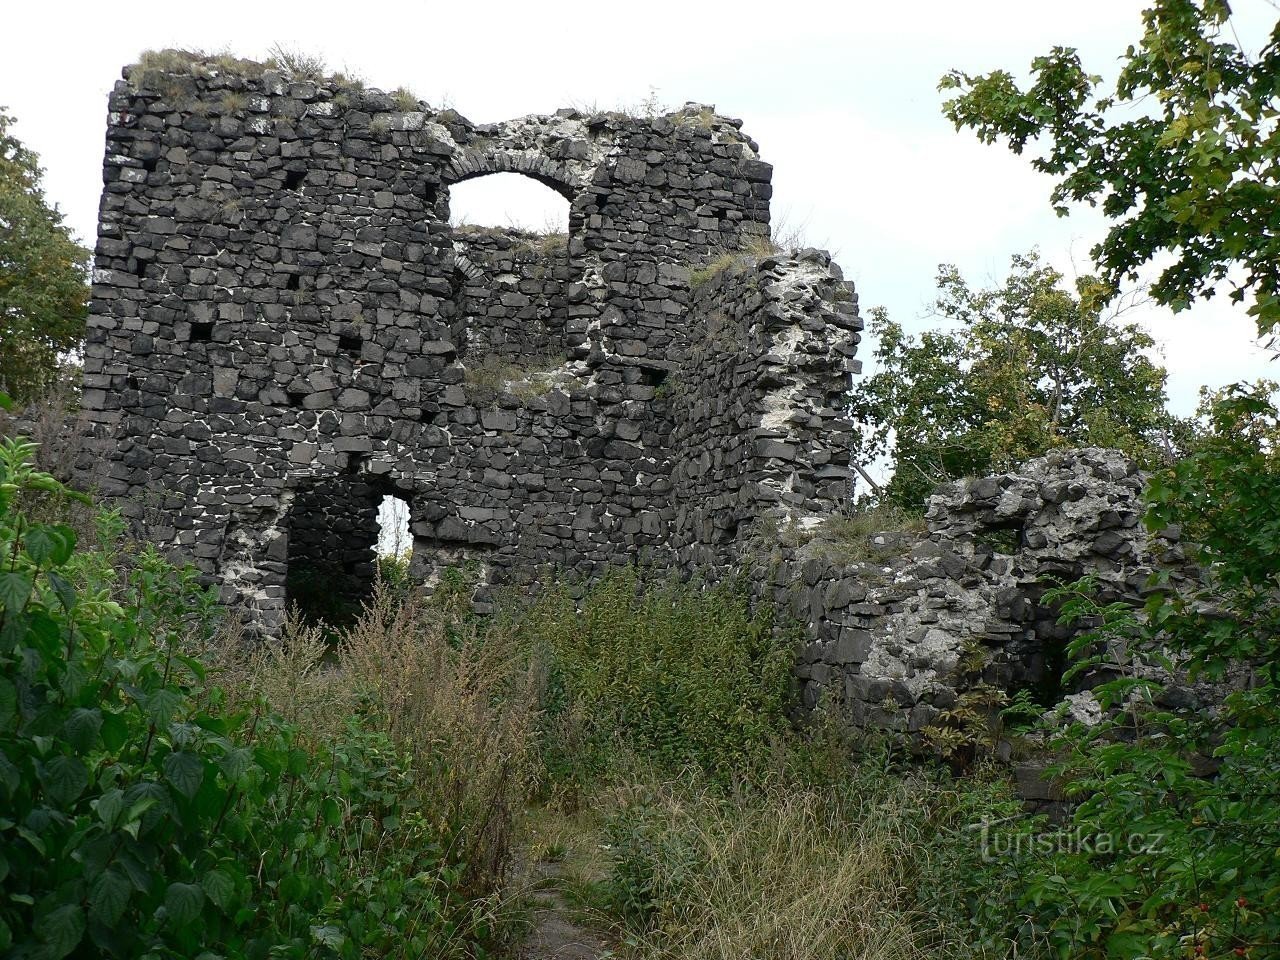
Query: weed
682, 675
296, 65
753, 250
405, 100
850, 536
526, 381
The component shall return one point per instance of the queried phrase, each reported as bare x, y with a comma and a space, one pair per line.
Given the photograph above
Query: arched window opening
510, 234
395, 542
508, 202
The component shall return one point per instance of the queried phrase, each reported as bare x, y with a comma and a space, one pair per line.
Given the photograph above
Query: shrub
1180, 807
683, 675
143, 812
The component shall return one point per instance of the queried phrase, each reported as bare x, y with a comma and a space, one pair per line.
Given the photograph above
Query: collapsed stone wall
285, 327
900, 636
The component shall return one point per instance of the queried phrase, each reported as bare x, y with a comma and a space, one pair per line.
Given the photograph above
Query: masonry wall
762, 440
903, 626
284, 327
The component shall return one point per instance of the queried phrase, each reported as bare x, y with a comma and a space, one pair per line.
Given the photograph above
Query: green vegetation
1019, 369
848, 536
43, 273
752, 251
168, 788
1212, 880
527, 380
405, 99
691, 818
148, 810
684, 677
1190, 172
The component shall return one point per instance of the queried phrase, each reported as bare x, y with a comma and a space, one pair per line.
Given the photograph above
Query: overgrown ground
608, 772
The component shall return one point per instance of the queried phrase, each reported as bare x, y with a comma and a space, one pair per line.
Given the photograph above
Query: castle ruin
285, 329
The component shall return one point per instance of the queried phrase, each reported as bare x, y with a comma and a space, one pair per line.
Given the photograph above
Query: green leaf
328, 936
115, 731
109, 806
183, 903
60, 931
8, 705
185, 771
63, 589
15, 588
331, 811
236, 763
161, 705
220, 888
64, 779
83, 727
42, 543
65, 546
108, 897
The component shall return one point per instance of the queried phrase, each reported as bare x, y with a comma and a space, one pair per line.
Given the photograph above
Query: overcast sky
841, 97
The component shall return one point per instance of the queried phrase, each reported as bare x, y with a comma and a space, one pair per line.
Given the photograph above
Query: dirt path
556, 935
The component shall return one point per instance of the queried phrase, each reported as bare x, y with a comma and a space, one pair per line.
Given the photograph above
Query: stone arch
469, 164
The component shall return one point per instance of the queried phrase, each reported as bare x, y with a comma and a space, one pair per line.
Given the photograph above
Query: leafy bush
683, 675
1172, 850
141, 815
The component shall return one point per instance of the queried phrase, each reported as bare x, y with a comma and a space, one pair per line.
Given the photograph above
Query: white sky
841, 97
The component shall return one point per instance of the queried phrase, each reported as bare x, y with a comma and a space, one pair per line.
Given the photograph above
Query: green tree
43, 294
1181, 154
1018, 370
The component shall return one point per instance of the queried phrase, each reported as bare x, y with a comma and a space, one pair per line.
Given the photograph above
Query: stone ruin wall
285, 328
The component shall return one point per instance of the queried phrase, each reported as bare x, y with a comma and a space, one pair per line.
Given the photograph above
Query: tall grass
681, 674
457, 700
710, 829
784, 872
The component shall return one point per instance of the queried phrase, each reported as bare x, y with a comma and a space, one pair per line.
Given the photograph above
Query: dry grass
162, 70
405, 100
460, 702
525, 381
753, 250
849, 536
299, 65
795, 874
